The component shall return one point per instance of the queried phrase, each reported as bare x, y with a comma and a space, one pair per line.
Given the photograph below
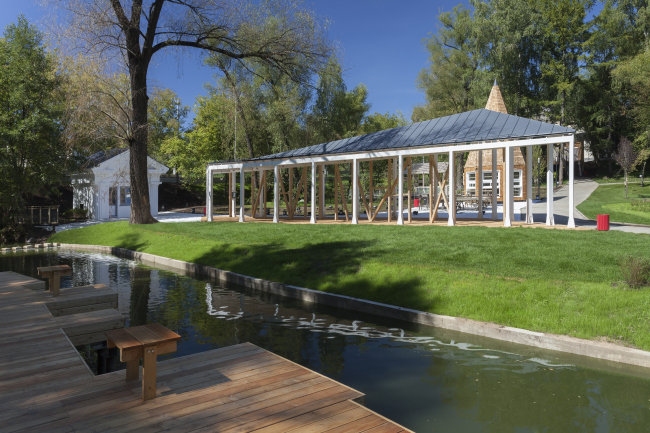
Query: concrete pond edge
577, 346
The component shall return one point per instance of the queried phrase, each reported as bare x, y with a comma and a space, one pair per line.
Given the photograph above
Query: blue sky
380, 40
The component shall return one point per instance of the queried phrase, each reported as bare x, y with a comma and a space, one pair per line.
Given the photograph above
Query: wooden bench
54, 274
144, 342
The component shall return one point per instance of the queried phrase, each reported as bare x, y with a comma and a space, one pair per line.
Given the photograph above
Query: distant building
496, 103
104, 186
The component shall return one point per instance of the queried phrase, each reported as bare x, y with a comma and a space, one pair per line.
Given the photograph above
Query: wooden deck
46, 387
440, 222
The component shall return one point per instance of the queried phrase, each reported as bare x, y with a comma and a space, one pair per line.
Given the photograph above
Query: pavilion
477, 130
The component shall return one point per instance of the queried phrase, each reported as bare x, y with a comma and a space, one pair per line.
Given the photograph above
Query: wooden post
56, 283
409, 186
132, 370
529, 184
507, 197
312, 220
149, 373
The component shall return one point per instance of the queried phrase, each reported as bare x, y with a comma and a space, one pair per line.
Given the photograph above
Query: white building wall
93, 188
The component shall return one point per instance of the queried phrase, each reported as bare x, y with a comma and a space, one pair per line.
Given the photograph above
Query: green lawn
564, 282
610, 199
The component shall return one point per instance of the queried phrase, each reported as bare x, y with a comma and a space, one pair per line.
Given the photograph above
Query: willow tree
279, 33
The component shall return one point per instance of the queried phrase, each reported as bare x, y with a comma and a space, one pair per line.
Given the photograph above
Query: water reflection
426, 379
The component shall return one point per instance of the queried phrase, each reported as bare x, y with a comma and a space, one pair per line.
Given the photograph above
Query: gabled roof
471, 126
103, 155
98, 158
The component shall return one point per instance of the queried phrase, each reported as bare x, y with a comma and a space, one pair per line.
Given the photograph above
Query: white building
104, 187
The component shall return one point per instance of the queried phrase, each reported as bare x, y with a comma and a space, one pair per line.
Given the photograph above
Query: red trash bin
602, 222
416, 202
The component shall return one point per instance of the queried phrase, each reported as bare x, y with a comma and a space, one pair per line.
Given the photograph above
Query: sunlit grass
610, 199
559, 281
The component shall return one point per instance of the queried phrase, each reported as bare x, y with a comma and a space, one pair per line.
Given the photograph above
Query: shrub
636, 271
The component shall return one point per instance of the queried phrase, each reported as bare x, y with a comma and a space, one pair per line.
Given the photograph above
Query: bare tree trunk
626, 184
140, 204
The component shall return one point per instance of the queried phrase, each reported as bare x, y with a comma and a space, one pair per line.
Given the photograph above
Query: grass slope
543, 280
610, 199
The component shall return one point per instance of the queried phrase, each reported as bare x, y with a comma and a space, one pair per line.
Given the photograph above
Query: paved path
582, 190
163, 217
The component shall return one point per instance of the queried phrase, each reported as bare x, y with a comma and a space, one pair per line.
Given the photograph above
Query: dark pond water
424, 378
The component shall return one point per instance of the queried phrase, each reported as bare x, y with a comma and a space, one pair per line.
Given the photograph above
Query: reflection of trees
517, 397
140, 287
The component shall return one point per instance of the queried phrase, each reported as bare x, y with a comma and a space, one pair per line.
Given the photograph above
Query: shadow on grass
335, 267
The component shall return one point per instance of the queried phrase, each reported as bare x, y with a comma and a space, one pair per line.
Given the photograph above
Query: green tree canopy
32, 154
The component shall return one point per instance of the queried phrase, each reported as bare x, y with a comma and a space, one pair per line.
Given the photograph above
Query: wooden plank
390, 196
360, 425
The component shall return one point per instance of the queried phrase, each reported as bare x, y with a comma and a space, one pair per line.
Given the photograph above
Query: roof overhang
266, 164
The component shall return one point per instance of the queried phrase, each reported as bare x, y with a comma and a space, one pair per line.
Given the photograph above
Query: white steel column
321, 192
233, 201
242, 194
209, 190
434, 197
529, 184
479, 184
550, 221
276, 194
495, 187
451, 221
262, 193
400, 191
511, 192
507, 197
313, 194
572, 223
355, 191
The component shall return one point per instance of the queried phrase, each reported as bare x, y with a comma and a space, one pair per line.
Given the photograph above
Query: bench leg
132, 370
55, 284
149, 374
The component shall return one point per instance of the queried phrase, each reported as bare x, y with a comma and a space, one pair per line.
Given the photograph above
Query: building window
471, 182
487, 183
517, 183
125, 196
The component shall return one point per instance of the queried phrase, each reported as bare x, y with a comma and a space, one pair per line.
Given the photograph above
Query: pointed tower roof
495, 101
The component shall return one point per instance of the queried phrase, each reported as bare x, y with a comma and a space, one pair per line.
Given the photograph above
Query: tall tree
280, 33
337, 113
565, 32
32, 153
455, 80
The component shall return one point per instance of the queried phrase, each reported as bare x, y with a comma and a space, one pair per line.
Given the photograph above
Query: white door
112, 202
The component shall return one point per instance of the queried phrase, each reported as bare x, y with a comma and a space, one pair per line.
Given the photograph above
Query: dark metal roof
471, 126
103, 155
